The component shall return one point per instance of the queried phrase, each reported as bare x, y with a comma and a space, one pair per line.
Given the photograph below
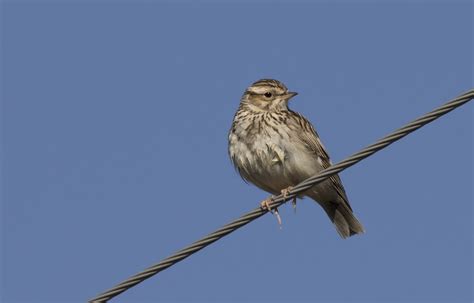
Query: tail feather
344, 220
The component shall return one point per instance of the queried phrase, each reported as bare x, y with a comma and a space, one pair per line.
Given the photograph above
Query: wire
279, 200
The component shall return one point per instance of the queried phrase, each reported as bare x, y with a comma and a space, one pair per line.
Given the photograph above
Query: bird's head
267, 95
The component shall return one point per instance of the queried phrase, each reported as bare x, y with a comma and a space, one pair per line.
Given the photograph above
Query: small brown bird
275, 148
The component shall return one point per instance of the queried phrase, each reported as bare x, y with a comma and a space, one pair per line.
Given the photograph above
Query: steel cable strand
279, 200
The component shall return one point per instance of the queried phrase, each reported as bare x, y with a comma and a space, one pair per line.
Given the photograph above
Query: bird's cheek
281, 103
265, 105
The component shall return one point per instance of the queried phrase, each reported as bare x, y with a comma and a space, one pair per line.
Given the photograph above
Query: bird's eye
268, 94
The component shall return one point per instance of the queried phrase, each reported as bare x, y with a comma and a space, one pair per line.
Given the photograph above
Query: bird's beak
290, 95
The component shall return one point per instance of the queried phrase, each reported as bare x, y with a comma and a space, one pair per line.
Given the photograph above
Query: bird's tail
344, 220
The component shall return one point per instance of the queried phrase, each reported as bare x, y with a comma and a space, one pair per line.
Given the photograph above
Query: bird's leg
265, 204
285, 193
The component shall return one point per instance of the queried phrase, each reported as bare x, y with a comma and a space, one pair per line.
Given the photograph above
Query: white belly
272, 161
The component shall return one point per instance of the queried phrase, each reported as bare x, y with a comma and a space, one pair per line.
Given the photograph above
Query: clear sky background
114, 128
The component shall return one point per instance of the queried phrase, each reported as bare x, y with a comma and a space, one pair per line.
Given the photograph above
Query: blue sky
114, 149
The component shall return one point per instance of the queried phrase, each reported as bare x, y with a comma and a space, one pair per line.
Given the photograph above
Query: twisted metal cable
279, 200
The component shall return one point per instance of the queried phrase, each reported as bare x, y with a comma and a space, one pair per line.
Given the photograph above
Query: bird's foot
265, 204
285, 193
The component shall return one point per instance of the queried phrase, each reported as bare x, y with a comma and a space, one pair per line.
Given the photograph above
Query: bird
275, 148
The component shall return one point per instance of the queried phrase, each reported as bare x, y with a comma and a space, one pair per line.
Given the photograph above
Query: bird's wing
310, 138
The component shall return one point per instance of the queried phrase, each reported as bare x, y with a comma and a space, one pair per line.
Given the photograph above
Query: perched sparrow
275, 148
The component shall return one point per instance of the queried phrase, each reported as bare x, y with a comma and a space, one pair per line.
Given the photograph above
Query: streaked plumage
274, 147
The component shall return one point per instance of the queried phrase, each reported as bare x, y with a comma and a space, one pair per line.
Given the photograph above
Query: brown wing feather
310, 138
